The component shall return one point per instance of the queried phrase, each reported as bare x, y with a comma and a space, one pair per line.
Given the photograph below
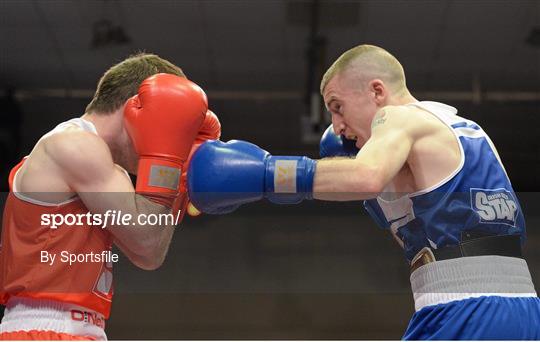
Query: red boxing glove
210, 130
163, 120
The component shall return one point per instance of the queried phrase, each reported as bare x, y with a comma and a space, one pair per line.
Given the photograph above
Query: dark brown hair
122, 81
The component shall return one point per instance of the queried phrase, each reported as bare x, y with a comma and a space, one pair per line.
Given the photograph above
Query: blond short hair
369, 62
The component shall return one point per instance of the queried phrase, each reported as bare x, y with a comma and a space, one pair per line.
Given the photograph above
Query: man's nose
337, 125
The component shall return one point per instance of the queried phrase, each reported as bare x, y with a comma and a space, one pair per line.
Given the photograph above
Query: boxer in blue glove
242, 172
255, 174
429, 176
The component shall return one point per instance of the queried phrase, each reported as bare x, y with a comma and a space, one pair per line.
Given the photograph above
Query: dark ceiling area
259, 45
261, 61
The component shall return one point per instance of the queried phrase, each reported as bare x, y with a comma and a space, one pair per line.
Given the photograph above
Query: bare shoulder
75, 146
410, 119
78, 153
396, 116
59, 158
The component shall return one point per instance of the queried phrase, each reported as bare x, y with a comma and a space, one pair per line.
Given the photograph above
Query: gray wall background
316, 270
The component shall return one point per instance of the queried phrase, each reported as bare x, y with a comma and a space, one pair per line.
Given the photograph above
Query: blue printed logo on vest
494, 206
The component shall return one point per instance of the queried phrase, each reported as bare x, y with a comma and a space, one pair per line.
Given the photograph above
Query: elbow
151, 255
374, 187
149, 264
369, 181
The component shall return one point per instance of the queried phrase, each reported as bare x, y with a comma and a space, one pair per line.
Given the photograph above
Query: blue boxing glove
333, 145
223, 176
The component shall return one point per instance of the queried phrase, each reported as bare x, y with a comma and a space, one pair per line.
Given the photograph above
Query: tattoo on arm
379, 119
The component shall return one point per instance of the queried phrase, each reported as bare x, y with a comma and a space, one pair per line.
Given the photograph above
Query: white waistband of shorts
444, 281
46, 315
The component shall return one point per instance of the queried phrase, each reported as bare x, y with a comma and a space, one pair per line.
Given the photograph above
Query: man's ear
378, 89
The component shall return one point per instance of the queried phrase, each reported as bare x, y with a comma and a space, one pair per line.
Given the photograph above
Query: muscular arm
377, 163
87, 167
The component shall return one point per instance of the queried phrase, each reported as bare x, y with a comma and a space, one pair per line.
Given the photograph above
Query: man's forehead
340, 85
332, 87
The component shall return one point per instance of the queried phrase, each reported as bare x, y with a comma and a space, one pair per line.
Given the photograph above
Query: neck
401, 99
108, 126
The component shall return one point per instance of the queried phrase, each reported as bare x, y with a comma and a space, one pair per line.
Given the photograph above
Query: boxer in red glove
152, 121
143, 119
